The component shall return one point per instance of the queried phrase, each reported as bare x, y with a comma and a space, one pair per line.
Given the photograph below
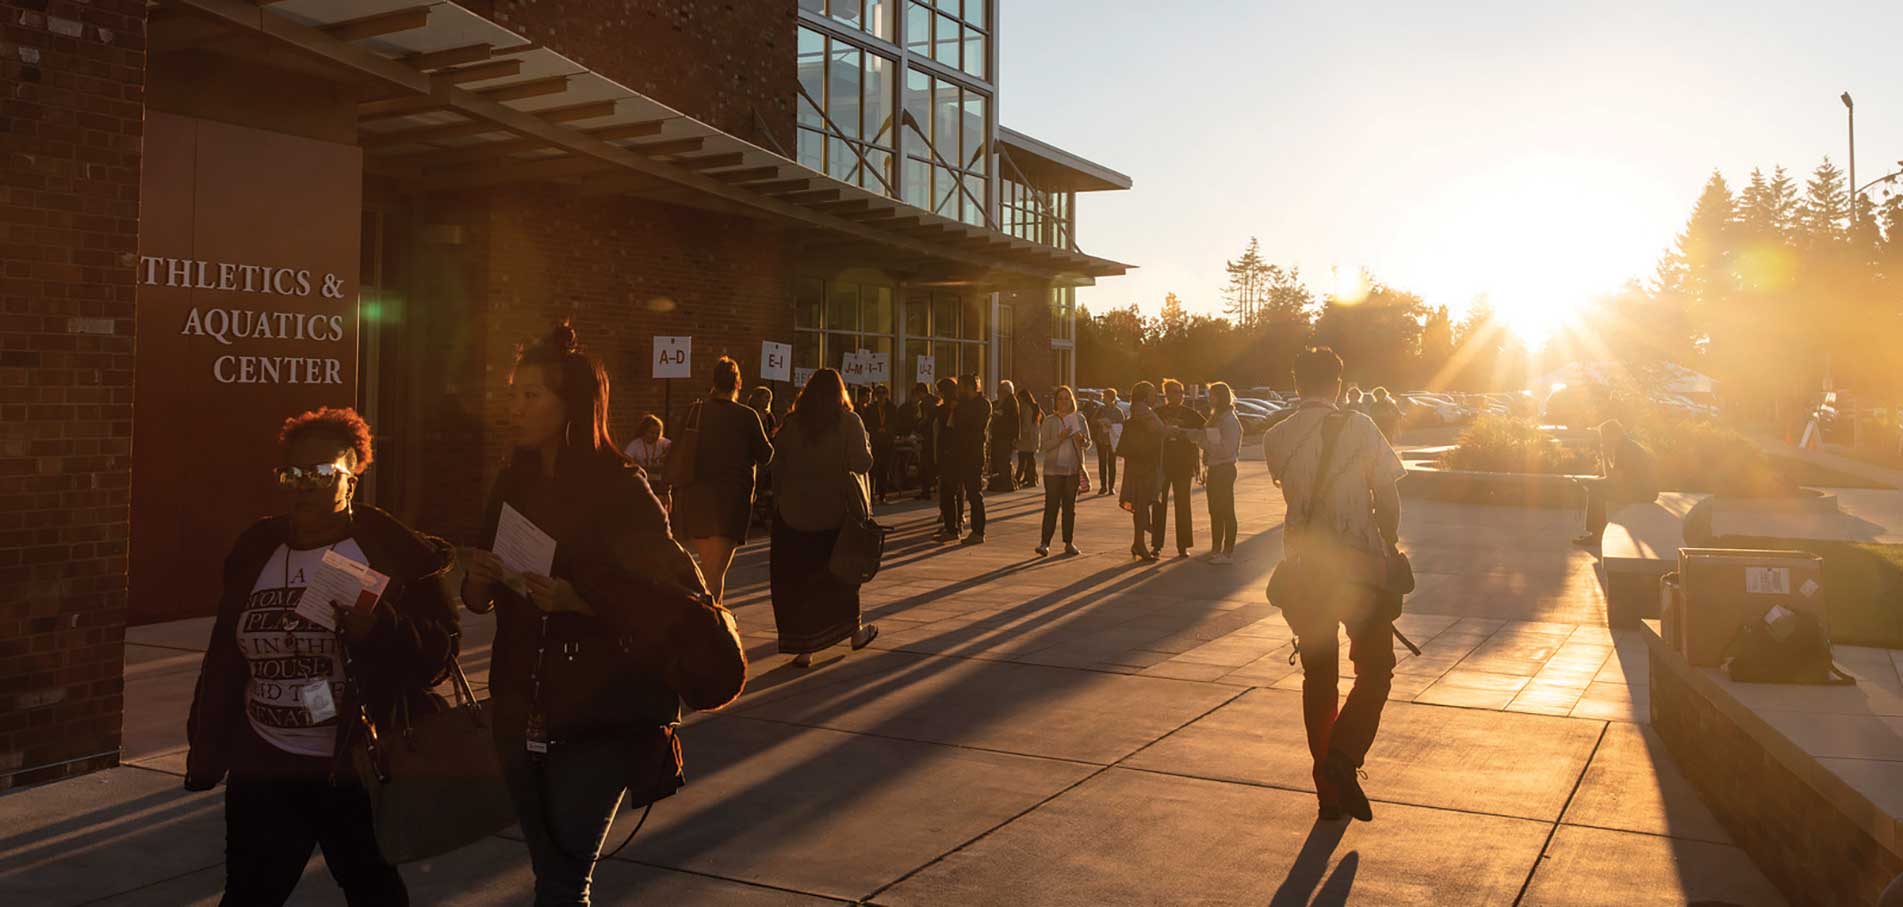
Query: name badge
317, 701
536, 736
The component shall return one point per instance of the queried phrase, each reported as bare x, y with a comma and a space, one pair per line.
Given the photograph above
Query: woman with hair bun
712, 512
282, 697
584, 717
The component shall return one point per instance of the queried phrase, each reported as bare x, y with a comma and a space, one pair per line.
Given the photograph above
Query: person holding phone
1062, 439
281, 698
584, 717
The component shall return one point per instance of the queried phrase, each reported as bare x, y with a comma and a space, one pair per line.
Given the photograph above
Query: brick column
72, 76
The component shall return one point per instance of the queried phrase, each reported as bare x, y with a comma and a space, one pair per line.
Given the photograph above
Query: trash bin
1720, 589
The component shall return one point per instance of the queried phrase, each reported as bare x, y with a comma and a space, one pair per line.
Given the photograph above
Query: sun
1535, 319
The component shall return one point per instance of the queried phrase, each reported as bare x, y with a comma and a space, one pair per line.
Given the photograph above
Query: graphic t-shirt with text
286, 653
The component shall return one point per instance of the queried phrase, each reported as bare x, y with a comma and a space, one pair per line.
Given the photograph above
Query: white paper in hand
343, 581
523, 546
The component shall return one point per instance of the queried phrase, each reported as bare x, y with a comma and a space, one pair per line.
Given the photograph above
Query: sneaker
1344, 778
1071, 549
1182, 552
1042, 550
976, 538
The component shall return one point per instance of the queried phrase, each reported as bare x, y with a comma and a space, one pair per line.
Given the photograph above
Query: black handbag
860, 545
684, 454
433, 778
1802, 656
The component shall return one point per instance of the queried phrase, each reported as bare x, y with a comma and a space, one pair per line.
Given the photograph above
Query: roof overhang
1052, 167
453, 101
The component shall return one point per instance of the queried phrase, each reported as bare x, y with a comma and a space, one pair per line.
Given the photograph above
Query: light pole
1850, 108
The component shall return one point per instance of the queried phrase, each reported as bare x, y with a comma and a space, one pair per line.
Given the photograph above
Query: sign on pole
927, 371
852, 367
673, 357
776, 361
878, 368
803, 375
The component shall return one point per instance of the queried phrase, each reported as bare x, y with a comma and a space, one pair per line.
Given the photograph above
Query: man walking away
1182, 463
1626, 476
969, 425
1110, 422
1338, 475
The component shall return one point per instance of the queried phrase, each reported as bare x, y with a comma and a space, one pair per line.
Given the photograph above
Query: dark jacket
1181, 457
1004, 423
970, 424
732, 442
881, 420
407, 651
1142, 444
612, 544
1632, 472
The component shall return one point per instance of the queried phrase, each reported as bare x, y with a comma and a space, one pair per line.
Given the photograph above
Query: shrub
1509, 444
1694, 454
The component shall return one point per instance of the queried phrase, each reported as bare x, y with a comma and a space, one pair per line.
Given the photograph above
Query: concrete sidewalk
1084, 730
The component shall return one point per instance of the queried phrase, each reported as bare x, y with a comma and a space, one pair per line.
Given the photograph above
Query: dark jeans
1106, 468
1160, 510
882, 466
1597, 493
974, 482
566, 807
1221, 496
927, 477
951, 502
1350, 731
1060, 496
1027, 467
271, 824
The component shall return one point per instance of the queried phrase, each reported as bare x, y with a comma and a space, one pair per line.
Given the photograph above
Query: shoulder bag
860, 544
683, 454
433, 779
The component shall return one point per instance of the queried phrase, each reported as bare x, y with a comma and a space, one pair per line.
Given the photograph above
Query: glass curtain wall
846, 125
956, 33
871, 16
947, 325
1037, 215
1064, 333
947, 147
833, 318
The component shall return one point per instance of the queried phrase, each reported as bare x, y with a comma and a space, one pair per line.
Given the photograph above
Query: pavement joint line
1265, 785
954, 746
1041, 803
720, 878
1554, 831
155, 882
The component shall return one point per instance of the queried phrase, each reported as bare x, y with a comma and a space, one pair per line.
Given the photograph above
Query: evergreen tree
1757, 210
1698, 268
1824, 213
1248, 285
1782, 203
1287, 300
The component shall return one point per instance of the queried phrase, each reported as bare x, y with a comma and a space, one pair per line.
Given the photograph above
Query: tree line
1772, 290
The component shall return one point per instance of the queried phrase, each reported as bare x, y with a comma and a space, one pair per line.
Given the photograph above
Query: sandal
871, 632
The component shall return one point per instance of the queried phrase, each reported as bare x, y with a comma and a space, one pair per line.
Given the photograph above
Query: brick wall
716, 62
623, 270
1036, 363
71, 83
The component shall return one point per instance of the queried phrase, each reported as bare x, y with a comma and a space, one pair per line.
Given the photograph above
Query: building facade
217, 213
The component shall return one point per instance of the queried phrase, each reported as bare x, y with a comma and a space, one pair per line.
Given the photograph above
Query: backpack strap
1331, 428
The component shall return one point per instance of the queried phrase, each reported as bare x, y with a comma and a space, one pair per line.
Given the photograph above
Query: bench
1806, 779
1640, 545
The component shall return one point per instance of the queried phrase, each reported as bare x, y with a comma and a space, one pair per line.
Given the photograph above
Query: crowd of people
585, 695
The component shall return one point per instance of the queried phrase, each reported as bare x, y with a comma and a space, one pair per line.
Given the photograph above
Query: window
845, 105
871, 16
833, 318
949, 327
1034, 214
947, 147
1063, 313
951, 32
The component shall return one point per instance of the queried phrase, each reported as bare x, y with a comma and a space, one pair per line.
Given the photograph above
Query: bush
1507, 444
1694, 454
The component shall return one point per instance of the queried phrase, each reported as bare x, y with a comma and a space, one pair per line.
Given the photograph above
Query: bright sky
1540, 152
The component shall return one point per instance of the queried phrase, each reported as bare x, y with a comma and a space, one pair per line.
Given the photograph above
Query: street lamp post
1850, 109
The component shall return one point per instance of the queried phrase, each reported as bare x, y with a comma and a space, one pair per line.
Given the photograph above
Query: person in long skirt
1062, 439
819, 481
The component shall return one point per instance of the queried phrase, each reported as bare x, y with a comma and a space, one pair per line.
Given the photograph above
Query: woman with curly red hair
281, 697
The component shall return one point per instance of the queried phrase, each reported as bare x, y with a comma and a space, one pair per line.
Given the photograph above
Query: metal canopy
458, 101
1053, 167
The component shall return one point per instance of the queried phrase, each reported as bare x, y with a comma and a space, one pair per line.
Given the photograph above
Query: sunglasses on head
308, 478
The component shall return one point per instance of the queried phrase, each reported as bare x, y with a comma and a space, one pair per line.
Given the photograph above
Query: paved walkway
1083, 730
